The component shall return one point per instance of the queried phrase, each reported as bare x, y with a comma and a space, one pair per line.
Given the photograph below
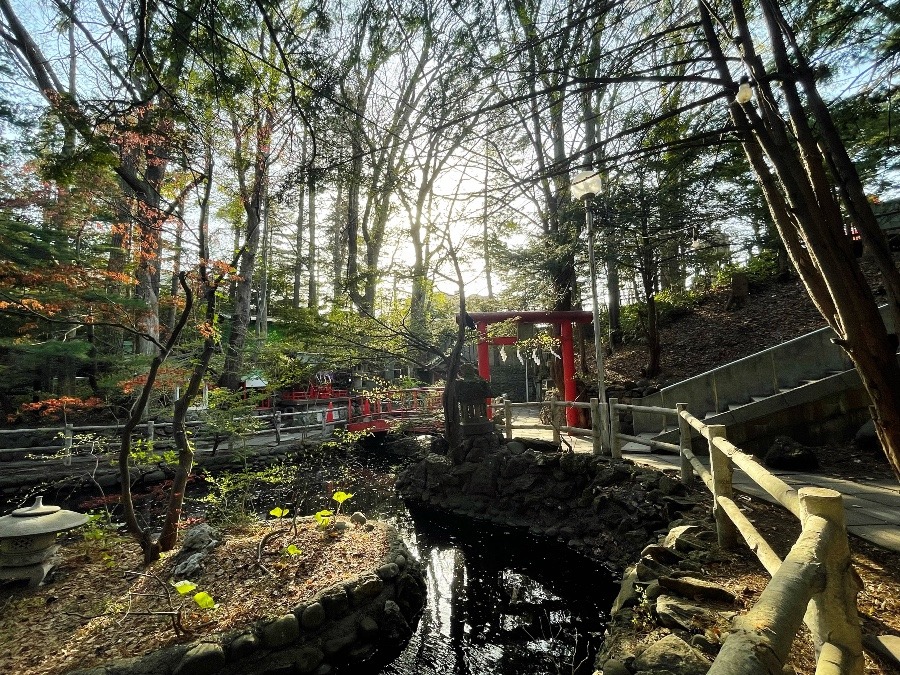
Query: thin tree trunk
176, 268
298, 236
313, 296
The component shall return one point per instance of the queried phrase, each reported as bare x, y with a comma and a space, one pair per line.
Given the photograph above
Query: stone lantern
27, 539
472, 397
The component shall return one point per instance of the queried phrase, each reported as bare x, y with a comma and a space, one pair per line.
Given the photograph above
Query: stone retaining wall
604, 508
346, 623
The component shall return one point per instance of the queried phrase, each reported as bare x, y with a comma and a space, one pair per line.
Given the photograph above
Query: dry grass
95, 609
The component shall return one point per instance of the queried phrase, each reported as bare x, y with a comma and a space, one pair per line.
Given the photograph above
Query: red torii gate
562, 319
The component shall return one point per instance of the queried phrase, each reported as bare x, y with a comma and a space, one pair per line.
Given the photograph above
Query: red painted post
484, 354
568, 364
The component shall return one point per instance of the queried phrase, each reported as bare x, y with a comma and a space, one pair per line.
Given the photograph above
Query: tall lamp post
585, 185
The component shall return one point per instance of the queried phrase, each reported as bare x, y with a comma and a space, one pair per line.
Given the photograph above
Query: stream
499, 602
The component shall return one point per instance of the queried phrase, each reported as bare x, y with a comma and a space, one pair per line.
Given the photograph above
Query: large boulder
788, 455
672, 654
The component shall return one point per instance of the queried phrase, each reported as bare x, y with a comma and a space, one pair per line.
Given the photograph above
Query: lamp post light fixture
745, 91
585, 185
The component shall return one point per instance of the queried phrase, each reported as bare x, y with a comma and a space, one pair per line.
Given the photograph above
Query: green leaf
341, 497
204, 600
293, 550
279, 512
184, 586
323, 517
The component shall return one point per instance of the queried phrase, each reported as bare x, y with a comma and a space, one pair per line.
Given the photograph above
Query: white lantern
586, 183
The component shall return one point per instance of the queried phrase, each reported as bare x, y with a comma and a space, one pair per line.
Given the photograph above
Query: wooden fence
815, 584
306, 416
274, 423
598, 433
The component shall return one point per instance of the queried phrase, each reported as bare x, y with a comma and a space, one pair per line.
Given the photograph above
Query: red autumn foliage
68, 408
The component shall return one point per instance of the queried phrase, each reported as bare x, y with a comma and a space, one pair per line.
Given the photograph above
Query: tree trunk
791, 169
339, 245
176, 269
169, 535
251, 197
298, 235
313, 296
150, 547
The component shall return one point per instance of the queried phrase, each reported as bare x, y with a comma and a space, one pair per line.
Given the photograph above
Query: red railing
382, 410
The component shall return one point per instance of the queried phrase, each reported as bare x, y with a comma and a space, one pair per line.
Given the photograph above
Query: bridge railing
303, 416
814, 584
381, 409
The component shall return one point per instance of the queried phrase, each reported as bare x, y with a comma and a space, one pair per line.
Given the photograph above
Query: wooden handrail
817, 572
598, 431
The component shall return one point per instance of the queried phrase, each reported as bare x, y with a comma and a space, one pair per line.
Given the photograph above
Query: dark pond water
499, 602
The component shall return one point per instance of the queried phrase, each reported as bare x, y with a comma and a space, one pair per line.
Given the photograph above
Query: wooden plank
701, 470
647, 409
651, 442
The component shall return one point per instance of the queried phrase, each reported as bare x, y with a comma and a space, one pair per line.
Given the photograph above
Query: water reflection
500, 603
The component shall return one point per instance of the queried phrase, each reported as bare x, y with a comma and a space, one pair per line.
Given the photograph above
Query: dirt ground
100, 602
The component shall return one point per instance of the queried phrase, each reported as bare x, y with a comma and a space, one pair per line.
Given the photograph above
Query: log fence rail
815, 584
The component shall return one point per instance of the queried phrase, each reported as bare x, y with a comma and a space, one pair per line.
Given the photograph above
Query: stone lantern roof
39, 519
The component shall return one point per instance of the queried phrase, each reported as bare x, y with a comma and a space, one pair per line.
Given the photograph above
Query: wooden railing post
596, 427
67, 444
151, 432
277, 422
721, 470
615, 443
507, 418
554, 418
604, 428
684, 429
832, 615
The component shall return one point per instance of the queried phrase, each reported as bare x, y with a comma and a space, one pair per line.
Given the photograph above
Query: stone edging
667, 618
347, 622
603, 508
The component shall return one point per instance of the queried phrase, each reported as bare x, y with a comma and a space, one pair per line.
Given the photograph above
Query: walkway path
872, 507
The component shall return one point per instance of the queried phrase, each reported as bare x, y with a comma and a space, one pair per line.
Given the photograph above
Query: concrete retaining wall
785, 366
